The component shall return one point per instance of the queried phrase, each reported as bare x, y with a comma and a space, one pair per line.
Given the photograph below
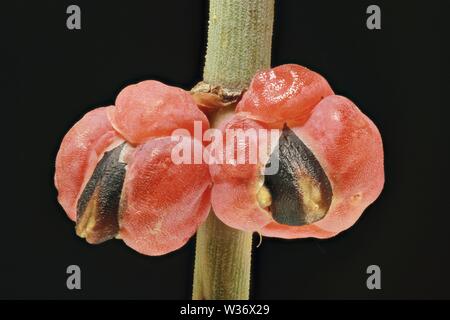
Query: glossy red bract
162, 203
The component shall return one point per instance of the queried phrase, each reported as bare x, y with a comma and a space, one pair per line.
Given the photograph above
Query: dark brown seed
98, 206
300, 190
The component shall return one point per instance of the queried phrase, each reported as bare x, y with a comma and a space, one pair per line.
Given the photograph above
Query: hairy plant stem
239, 44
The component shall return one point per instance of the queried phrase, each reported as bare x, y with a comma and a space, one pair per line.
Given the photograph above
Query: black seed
300, 189
98, 205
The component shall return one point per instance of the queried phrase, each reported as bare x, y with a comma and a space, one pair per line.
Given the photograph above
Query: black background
395, 75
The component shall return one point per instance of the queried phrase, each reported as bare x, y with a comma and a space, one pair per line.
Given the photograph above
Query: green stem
239, 44
239, 41
222, 262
